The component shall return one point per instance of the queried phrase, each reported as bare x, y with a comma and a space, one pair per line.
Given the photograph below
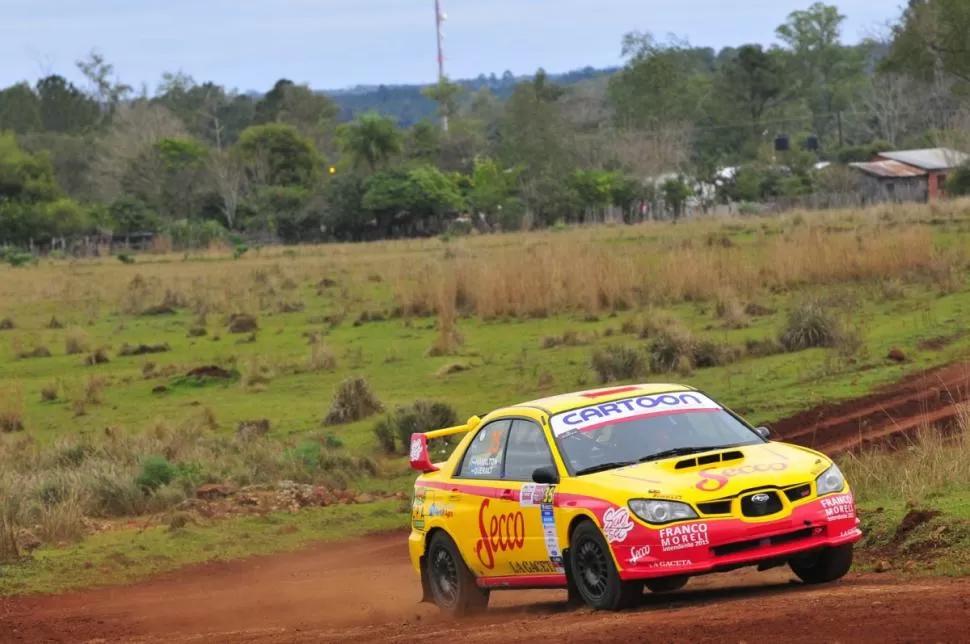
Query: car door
528, 449
486, 524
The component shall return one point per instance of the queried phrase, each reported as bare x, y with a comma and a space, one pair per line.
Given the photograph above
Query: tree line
197, 161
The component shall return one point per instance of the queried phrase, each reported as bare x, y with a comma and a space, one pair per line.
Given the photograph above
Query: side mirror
763, 432
545, 475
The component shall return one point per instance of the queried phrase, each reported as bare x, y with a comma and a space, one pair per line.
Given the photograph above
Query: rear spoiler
419, 457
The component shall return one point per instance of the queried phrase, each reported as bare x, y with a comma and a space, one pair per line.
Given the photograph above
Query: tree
108, 92
446, 94
931, 40
27, 190
64, 108
752, 81
278, 155
371, 141
19, 109
126, 159
823, 69
660, 84
423, 142
227, 173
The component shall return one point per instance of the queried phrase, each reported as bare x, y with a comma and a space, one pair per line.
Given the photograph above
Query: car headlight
829, 481
655, 511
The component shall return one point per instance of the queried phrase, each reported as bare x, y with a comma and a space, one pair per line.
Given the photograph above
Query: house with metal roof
909, 175
937, 163
888, 180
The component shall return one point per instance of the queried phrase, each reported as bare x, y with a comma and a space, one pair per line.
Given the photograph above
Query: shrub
156, 471
394, 432
618, 363
352, 401
809, 325
672, 349
75, 342
12, 410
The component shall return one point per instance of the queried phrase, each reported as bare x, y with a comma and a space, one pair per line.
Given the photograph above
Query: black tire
453, 586
666, 584
824, 566
595, 575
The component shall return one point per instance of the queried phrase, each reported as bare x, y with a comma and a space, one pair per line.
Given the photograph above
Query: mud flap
426, 597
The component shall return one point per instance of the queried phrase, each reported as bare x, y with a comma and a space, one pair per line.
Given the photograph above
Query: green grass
124, 556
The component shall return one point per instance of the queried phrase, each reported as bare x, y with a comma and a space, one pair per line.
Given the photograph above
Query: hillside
408, 105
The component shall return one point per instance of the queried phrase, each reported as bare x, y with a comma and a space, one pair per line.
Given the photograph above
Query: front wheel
452, 584
824, 566
596, 577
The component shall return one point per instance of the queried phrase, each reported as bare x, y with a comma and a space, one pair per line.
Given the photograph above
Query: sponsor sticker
550, 536
417, 449
499, 533
534, 494
617, 524
638, 553
673, 563
593, 416
680, 537
483, 465
839, 507
714, 480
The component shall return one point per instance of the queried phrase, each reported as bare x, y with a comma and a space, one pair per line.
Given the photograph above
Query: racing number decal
505, 532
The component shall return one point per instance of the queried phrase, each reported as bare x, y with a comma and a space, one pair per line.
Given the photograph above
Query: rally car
607, 492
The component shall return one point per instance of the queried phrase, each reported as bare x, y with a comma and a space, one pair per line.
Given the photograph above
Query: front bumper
704, 546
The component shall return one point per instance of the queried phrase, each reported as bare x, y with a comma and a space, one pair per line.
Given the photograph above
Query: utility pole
439, 19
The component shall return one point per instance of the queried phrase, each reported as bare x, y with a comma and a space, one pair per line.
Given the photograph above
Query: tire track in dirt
890, 415
366, 591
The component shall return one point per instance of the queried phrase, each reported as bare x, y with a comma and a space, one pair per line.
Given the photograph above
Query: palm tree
372, 140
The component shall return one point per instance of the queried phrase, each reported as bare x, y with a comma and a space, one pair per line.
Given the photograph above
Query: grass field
101, 419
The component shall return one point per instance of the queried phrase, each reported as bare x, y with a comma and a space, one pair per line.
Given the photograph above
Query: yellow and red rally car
610, 491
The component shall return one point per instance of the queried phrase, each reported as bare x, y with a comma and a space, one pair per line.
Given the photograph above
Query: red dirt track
889, 415
365, 591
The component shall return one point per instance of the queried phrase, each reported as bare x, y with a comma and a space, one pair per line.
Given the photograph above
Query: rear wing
419, 457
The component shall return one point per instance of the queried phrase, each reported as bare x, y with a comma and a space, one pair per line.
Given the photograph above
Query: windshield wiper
680, 451
604, 466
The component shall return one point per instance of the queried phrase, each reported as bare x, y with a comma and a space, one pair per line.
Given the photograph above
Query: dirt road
892, 414
365, 592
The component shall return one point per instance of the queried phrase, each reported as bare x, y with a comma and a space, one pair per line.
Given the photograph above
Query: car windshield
632, 430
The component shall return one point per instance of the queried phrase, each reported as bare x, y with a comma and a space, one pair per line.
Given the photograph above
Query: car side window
484, 456
528, 449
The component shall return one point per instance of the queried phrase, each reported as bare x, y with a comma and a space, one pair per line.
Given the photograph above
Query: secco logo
597, 415
505, 532
617, 524
712, 481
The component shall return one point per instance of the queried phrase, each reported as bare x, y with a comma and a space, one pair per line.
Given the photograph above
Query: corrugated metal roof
930, 158
889, 169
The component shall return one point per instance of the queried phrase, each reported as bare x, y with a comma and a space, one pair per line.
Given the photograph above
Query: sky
333, 44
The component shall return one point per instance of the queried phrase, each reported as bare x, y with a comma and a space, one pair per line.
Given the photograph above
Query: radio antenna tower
439, 18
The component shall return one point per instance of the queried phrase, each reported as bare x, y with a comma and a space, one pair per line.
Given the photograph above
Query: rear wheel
596, 577
666, 584
823, 566
452, 584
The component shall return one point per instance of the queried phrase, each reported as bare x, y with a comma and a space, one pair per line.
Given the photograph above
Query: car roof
564, 402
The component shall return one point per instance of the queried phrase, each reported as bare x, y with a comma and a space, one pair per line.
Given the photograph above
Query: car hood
715, 474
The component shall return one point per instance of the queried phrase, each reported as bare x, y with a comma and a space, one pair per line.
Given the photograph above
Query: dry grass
589, 270
933, 464
322, 358
76, 341
11, 408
